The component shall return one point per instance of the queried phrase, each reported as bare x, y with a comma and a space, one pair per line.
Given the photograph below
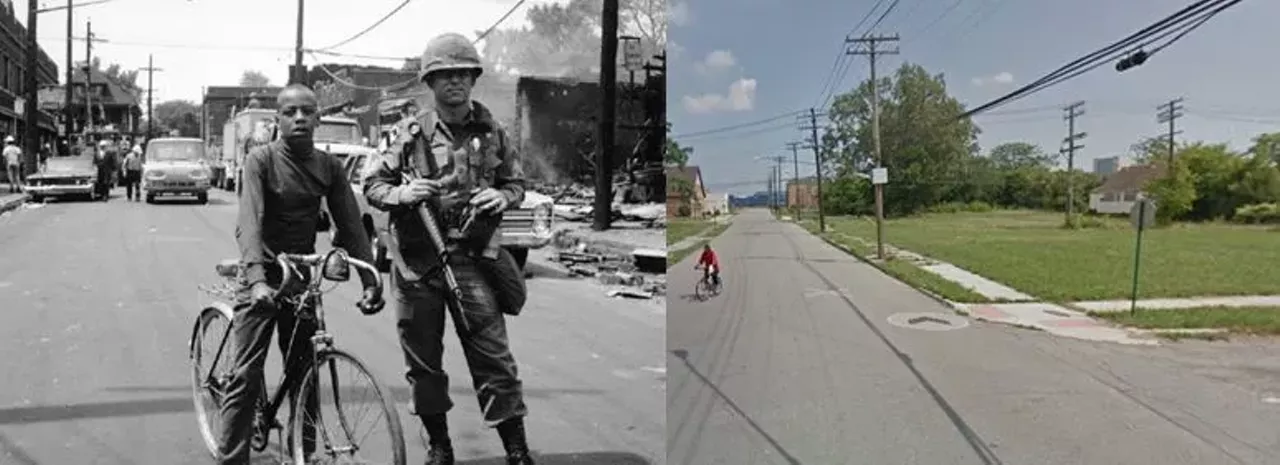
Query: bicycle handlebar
317, 261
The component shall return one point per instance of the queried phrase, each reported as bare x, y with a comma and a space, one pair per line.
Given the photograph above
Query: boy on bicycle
710, 265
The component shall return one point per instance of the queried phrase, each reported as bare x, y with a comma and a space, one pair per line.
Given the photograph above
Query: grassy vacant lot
1031, 252
1241, 320
905, 271
674, 256
681, 229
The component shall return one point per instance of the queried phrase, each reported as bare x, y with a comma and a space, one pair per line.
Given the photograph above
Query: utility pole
817, 161
296, 75
603, 211
1073, 111
1169, 113
88, 78
150, 69
773, 196
31, 141
872, 51
795, 170
67, 114
776, 177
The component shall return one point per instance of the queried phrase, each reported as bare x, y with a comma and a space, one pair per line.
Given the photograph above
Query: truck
247, 129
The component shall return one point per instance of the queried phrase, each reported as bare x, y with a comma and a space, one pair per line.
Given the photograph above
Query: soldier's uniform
474, 154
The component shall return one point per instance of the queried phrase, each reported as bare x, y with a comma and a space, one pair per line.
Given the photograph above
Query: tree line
936, 164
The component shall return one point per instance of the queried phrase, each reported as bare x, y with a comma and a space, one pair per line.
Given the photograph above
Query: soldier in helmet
459, 147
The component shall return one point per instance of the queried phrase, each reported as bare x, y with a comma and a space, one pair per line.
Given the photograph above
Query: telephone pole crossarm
870, 46
1072, 112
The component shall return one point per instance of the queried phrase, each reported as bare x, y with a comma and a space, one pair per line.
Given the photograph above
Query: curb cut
12, 204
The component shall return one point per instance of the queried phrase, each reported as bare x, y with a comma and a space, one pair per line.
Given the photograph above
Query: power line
500, 20
824, 95
371, 26
738, 126
1099, 57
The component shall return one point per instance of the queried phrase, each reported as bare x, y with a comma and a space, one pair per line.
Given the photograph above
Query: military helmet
447, 52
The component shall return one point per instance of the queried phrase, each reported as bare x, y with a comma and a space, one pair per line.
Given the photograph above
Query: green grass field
681, 229
1032, 253
1241, 320
674, 256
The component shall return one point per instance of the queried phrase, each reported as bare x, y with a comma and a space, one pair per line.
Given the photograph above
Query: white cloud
678, 13
1001, 78
673, 49
717, 60
741, 97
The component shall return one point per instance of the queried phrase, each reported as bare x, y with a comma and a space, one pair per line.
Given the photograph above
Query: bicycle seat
229, 268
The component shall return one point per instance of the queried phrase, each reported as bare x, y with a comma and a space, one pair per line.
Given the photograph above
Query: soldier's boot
441, 451
514, 441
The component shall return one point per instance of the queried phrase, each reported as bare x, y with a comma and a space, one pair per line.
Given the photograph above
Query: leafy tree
673, 153
847, 195
182, 115
1175, 195
685, 189
563, 39
252, 78
1267, 145
925, 146
1017, 154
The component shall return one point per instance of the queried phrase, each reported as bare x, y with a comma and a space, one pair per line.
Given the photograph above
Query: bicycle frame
321, 341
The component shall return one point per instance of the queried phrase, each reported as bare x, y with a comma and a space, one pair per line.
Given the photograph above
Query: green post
1137, 255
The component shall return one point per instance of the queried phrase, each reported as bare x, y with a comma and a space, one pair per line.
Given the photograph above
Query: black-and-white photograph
314, 231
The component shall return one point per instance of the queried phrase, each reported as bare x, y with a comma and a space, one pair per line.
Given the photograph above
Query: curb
937, 298
13, 203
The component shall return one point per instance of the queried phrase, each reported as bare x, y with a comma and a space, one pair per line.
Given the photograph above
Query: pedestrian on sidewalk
457, 134
133, 174
13, 162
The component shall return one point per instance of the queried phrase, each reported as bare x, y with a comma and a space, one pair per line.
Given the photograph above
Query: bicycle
705, 288
208, 382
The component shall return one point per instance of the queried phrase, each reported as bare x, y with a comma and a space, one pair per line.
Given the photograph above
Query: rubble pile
576, 203
609, 267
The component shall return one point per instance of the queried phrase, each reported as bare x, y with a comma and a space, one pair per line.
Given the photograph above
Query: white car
175, 166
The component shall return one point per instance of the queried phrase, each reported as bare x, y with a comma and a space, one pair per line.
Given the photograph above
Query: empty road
796, 363
97, 301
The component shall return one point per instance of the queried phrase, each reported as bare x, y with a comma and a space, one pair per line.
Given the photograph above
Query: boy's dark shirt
282, 218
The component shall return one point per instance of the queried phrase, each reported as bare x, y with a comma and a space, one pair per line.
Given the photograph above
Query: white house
1120, 190
717, 204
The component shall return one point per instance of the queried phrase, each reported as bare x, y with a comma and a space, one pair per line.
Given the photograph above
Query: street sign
19, 105
51, 98
880, 176
632, 55
1143, 214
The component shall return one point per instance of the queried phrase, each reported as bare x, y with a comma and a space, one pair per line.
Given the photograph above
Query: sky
201, 43
741, 61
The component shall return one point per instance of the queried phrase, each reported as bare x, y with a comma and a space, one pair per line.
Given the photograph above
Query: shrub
1258, 213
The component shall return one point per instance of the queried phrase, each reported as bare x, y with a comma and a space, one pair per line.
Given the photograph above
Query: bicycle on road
331, 443
707, 286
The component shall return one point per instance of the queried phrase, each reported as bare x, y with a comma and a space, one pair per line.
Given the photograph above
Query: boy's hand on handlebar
371, 302
261, 293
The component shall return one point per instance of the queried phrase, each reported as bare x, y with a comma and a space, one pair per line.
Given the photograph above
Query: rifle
454, 299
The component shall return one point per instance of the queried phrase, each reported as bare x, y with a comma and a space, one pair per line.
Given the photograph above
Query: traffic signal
1136, 59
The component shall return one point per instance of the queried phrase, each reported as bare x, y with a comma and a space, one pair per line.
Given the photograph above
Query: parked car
527, 226
176, 166
64, 177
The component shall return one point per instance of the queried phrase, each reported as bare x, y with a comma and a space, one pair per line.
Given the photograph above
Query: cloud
717, 60
679, 13
673, 49
741, 97
1001, 78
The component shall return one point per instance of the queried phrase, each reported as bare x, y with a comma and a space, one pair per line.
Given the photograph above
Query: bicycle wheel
333, 431
700, 290
210, 372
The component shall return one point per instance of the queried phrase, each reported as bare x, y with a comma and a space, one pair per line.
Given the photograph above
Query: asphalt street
97, 301
796, 362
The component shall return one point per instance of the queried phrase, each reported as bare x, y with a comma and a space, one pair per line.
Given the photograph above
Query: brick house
802, 194
676, 200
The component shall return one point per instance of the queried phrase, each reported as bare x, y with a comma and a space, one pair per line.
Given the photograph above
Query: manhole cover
928, 321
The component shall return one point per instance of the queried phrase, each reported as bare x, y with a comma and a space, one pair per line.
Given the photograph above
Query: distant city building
1106, 166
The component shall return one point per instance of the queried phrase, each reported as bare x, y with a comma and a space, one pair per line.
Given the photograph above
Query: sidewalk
1016, 308
10, 201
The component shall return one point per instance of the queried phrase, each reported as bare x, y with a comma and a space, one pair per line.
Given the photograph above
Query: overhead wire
738, 126
841, 56
1102, 56
371, 26
848, 63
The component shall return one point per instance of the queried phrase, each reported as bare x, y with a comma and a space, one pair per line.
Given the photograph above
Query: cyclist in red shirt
710, 265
